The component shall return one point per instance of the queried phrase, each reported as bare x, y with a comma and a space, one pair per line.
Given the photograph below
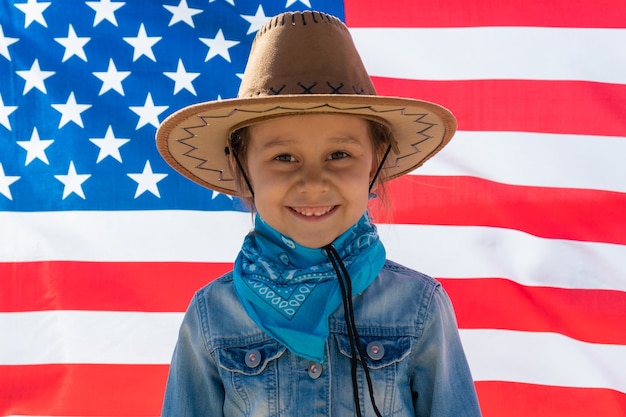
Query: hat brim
193, 139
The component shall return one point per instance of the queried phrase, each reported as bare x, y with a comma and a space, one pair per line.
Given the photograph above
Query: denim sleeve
442, 384
194, 387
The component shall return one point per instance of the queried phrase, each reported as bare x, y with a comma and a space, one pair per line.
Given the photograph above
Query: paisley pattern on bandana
290, 290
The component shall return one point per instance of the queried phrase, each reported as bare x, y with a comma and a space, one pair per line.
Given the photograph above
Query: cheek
362, 175
268, 190
355, 187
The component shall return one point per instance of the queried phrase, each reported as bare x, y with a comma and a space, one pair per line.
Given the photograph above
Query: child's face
310, 174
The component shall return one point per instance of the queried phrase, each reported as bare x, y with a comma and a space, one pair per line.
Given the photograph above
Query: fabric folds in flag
522, 217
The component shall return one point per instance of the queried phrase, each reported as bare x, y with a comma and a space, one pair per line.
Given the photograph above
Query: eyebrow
276, 143
279, 142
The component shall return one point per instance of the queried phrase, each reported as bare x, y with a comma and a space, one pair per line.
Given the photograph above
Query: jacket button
375, 350
315, 370
253, 358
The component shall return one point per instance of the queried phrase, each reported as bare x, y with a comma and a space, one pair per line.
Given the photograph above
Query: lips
313, 211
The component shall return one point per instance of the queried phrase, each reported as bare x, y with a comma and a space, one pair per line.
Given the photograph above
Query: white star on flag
105, 10
148, 113
35, 78
72, 182
5, 42
5, 182
35, 148
182, 78
70, 111
147, 181
73, 45
257, 21
142, 44
112, 78
109, 145
218, 46
231, 2
182, 13
5, 111
307, 3
33, 12
215, 194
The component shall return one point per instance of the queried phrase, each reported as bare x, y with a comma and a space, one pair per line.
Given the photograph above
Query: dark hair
380, 135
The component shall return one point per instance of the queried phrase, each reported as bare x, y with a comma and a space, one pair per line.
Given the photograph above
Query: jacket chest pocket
380, 352
385, 358
249, 360
249, 374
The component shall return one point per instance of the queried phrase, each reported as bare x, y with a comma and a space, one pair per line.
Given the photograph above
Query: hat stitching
275, 92
335, 89
401, 110
324, 18
415, 145
307, 90
202, 161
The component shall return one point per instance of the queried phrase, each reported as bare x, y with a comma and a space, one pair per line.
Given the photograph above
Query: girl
313, 320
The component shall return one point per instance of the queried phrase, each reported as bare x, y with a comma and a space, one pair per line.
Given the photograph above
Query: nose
312, 179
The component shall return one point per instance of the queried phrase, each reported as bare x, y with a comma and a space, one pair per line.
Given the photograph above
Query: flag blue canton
85, 85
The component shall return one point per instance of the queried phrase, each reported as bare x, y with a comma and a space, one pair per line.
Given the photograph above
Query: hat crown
304, 53
300, 63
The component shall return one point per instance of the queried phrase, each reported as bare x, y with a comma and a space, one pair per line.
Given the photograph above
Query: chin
314, 243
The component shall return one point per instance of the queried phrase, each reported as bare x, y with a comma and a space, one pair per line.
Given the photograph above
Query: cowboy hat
300, 63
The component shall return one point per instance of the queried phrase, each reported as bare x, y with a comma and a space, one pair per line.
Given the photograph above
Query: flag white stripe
534, 53
195, 236
474, 252
535, 159
65, 337
543, 358
153, 235
88, 337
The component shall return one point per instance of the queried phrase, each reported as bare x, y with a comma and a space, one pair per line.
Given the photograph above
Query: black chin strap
240, 166
355, 346
380, 166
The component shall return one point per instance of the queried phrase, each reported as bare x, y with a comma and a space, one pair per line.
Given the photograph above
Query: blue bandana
290, 290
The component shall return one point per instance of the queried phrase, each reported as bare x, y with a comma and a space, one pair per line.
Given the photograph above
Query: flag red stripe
575, 107
105, 286
82, 390
512, 399
460, 13
583, 314
556, 213
494, 303
123, 390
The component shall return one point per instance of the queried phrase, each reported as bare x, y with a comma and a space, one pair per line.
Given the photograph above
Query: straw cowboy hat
300, 63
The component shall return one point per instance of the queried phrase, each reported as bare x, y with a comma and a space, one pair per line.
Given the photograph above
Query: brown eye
285, 158
338, 155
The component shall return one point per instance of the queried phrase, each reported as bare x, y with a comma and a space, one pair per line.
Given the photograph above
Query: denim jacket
224, 365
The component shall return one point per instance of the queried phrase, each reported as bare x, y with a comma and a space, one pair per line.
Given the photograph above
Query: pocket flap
379, 351
249, 359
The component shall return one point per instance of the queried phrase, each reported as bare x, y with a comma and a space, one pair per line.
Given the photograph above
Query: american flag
522, 217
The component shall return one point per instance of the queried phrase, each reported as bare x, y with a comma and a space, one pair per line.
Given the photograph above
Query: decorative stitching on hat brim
193, 139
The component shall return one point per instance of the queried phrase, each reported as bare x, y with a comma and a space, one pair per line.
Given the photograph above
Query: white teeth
311, 213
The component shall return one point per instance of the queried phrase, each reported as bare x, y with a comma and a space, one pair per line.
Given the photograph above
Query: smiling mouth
313, 211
